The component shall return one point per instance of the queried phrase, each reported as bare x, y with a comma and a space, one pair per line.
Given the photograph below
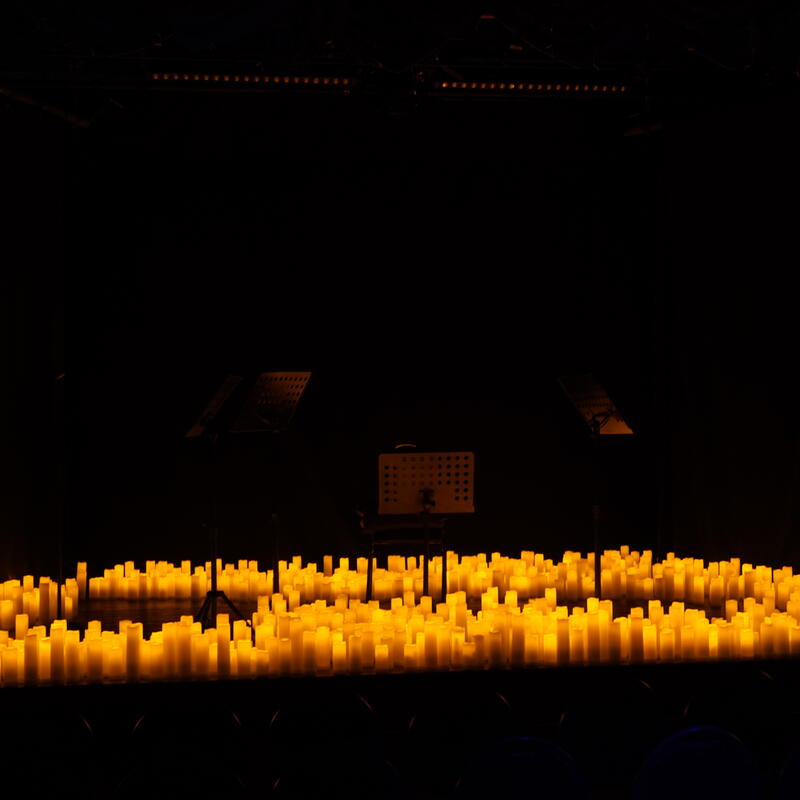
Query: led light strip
273, 80
578, 88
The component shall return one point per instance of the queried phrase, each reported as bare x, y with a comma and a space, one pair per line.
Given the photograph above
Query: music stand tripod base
207, 613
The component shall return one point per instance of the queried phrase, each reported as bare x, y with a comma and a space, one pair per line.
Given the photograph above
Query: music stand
416, 490
265, 404
602, 417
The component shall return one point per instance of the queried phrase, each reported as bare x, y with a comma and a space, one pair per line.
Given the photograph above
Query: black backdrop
436, 271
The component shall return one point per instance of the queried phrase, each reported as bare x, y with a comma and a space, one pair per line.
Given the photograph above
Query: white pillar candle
309, 652
285, 656
322, 651
94, 659
261, 661
563, 639
9, 666
6, 614
133, 650
72, 661
420, 650
20, 626
636, 637
183, 651
44, 600
80, 576
649, 640
200, 645
114, 668
31, 657
339, 657
57, 654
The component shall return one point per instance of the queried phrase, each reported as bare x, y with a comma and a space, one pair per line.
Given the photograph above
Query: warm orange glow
499, 612
285, 79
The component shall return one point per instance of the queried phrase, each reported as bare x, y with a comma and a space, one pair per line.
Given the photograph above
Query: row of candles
39, 603
625, 574
350, 636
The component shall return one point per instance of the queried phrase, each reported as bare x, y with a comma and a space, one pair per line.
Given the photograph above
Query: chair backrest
524, 767
788, 778
701, 761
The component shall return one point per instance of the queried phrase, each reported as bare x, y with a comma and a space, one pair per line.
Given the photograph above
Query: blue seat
609, 724
524, 767
701, 761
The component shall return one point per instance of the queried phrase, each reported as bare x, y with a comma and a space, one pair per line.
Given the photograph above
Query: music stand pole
207, 613
276, 581
444, 567
596, 424
598, 411
427, 504
213, 595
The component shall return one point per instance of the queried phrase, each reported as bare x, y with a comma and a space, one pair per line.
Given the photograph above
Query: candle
339, 657
6, 614
9, 665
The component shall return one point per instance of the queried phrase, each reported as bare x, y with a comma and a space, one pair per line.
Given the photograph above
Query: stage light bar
207, 79
531, 87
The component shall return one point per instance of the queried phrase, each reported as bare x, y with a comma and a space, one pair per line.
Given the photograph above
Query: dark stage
436, 258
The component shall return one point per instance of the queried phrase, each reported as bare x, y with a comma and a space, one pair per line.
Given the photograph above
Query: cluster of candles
38, 603
625, 575
352, 636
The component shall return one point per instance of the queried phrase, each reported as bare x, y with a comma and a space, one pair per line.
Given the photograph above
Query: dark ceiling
435, 258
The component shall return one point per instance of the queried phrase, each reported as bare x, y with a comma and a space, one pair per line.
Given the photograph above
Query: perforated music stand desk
595, 407
602, 417
265, 405
416, 490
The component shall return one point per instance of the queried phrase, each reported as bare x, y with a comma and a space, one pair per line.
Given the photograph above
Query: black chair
54, 747
524, 767
609, 723
450, 723
328, 742
184, 752
787, 783
401, 531
697, 763
334, 770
